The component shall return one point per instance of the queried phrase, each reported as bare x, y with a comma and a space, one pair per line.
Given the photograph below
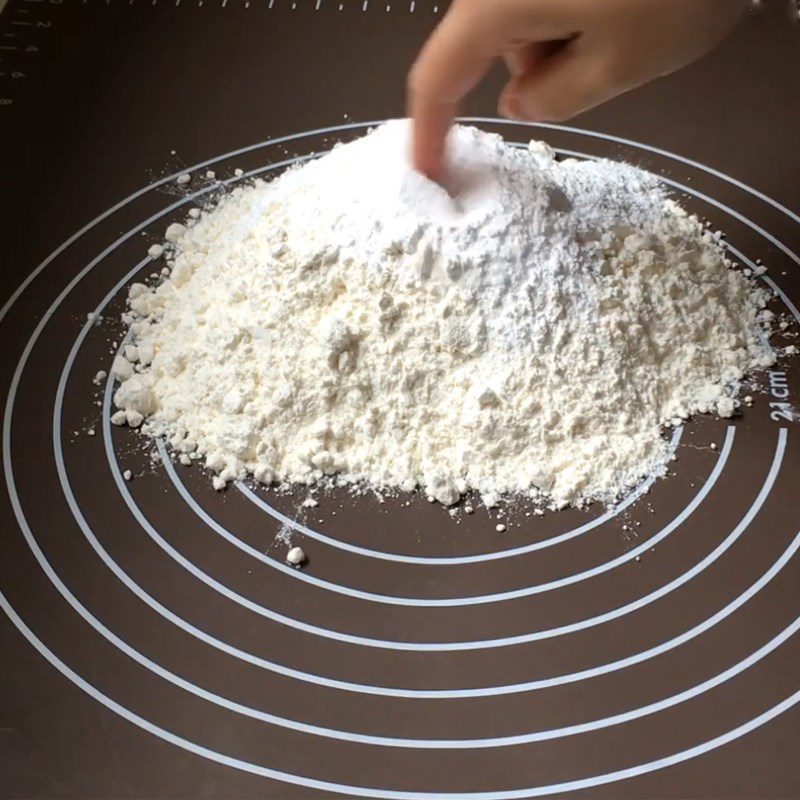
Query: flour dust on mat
528, 329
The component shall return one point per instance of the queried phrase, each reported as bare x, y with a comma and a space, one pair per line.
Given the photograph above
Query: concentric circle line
383, 794
188, 199
260, 662
407, 743
137, 590
612, 512
386, 643
348, 736
396, 742
382, 741
449, 602
619, 774
191, 197
635, 494
469, 601
784, 298
419, 743
336, 684
110, 636
429, 646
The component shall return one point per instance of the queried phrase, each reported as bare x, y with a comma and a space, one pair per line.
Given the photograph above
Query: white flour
527, 331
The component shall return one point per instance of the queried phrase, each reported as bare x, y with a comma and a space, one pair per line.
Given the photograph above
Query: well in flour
528, 330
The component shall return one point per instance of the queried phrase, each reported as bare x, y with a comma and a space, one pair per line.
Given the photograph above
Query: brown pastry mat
154, 642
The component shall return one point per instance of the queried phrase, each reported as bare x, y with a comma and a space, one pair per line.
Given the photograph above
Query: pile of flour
527, 329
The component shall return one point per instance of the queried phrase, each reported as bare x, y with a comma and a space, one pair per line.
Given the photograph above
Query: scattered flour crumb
175, 232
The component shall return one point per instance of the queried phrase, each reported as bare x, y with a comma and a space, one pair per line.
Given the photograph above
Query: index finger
457, 55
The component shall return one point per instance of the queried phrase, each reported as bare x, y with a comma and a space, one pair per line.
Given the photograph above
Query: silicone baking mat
155, 644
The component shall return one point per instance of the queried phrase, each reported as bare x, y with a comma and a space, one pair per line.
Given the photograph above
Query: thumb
559, 88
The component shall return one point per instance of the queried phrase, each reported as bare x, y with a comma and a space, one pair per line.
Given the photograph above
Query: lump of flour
527, 329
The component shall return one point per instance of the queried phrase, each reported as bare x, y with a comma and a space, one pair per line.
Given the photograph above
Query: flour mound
527, 329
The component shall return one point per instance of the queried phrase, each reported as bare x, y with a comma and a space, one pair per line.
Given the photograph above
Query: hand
565, 56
